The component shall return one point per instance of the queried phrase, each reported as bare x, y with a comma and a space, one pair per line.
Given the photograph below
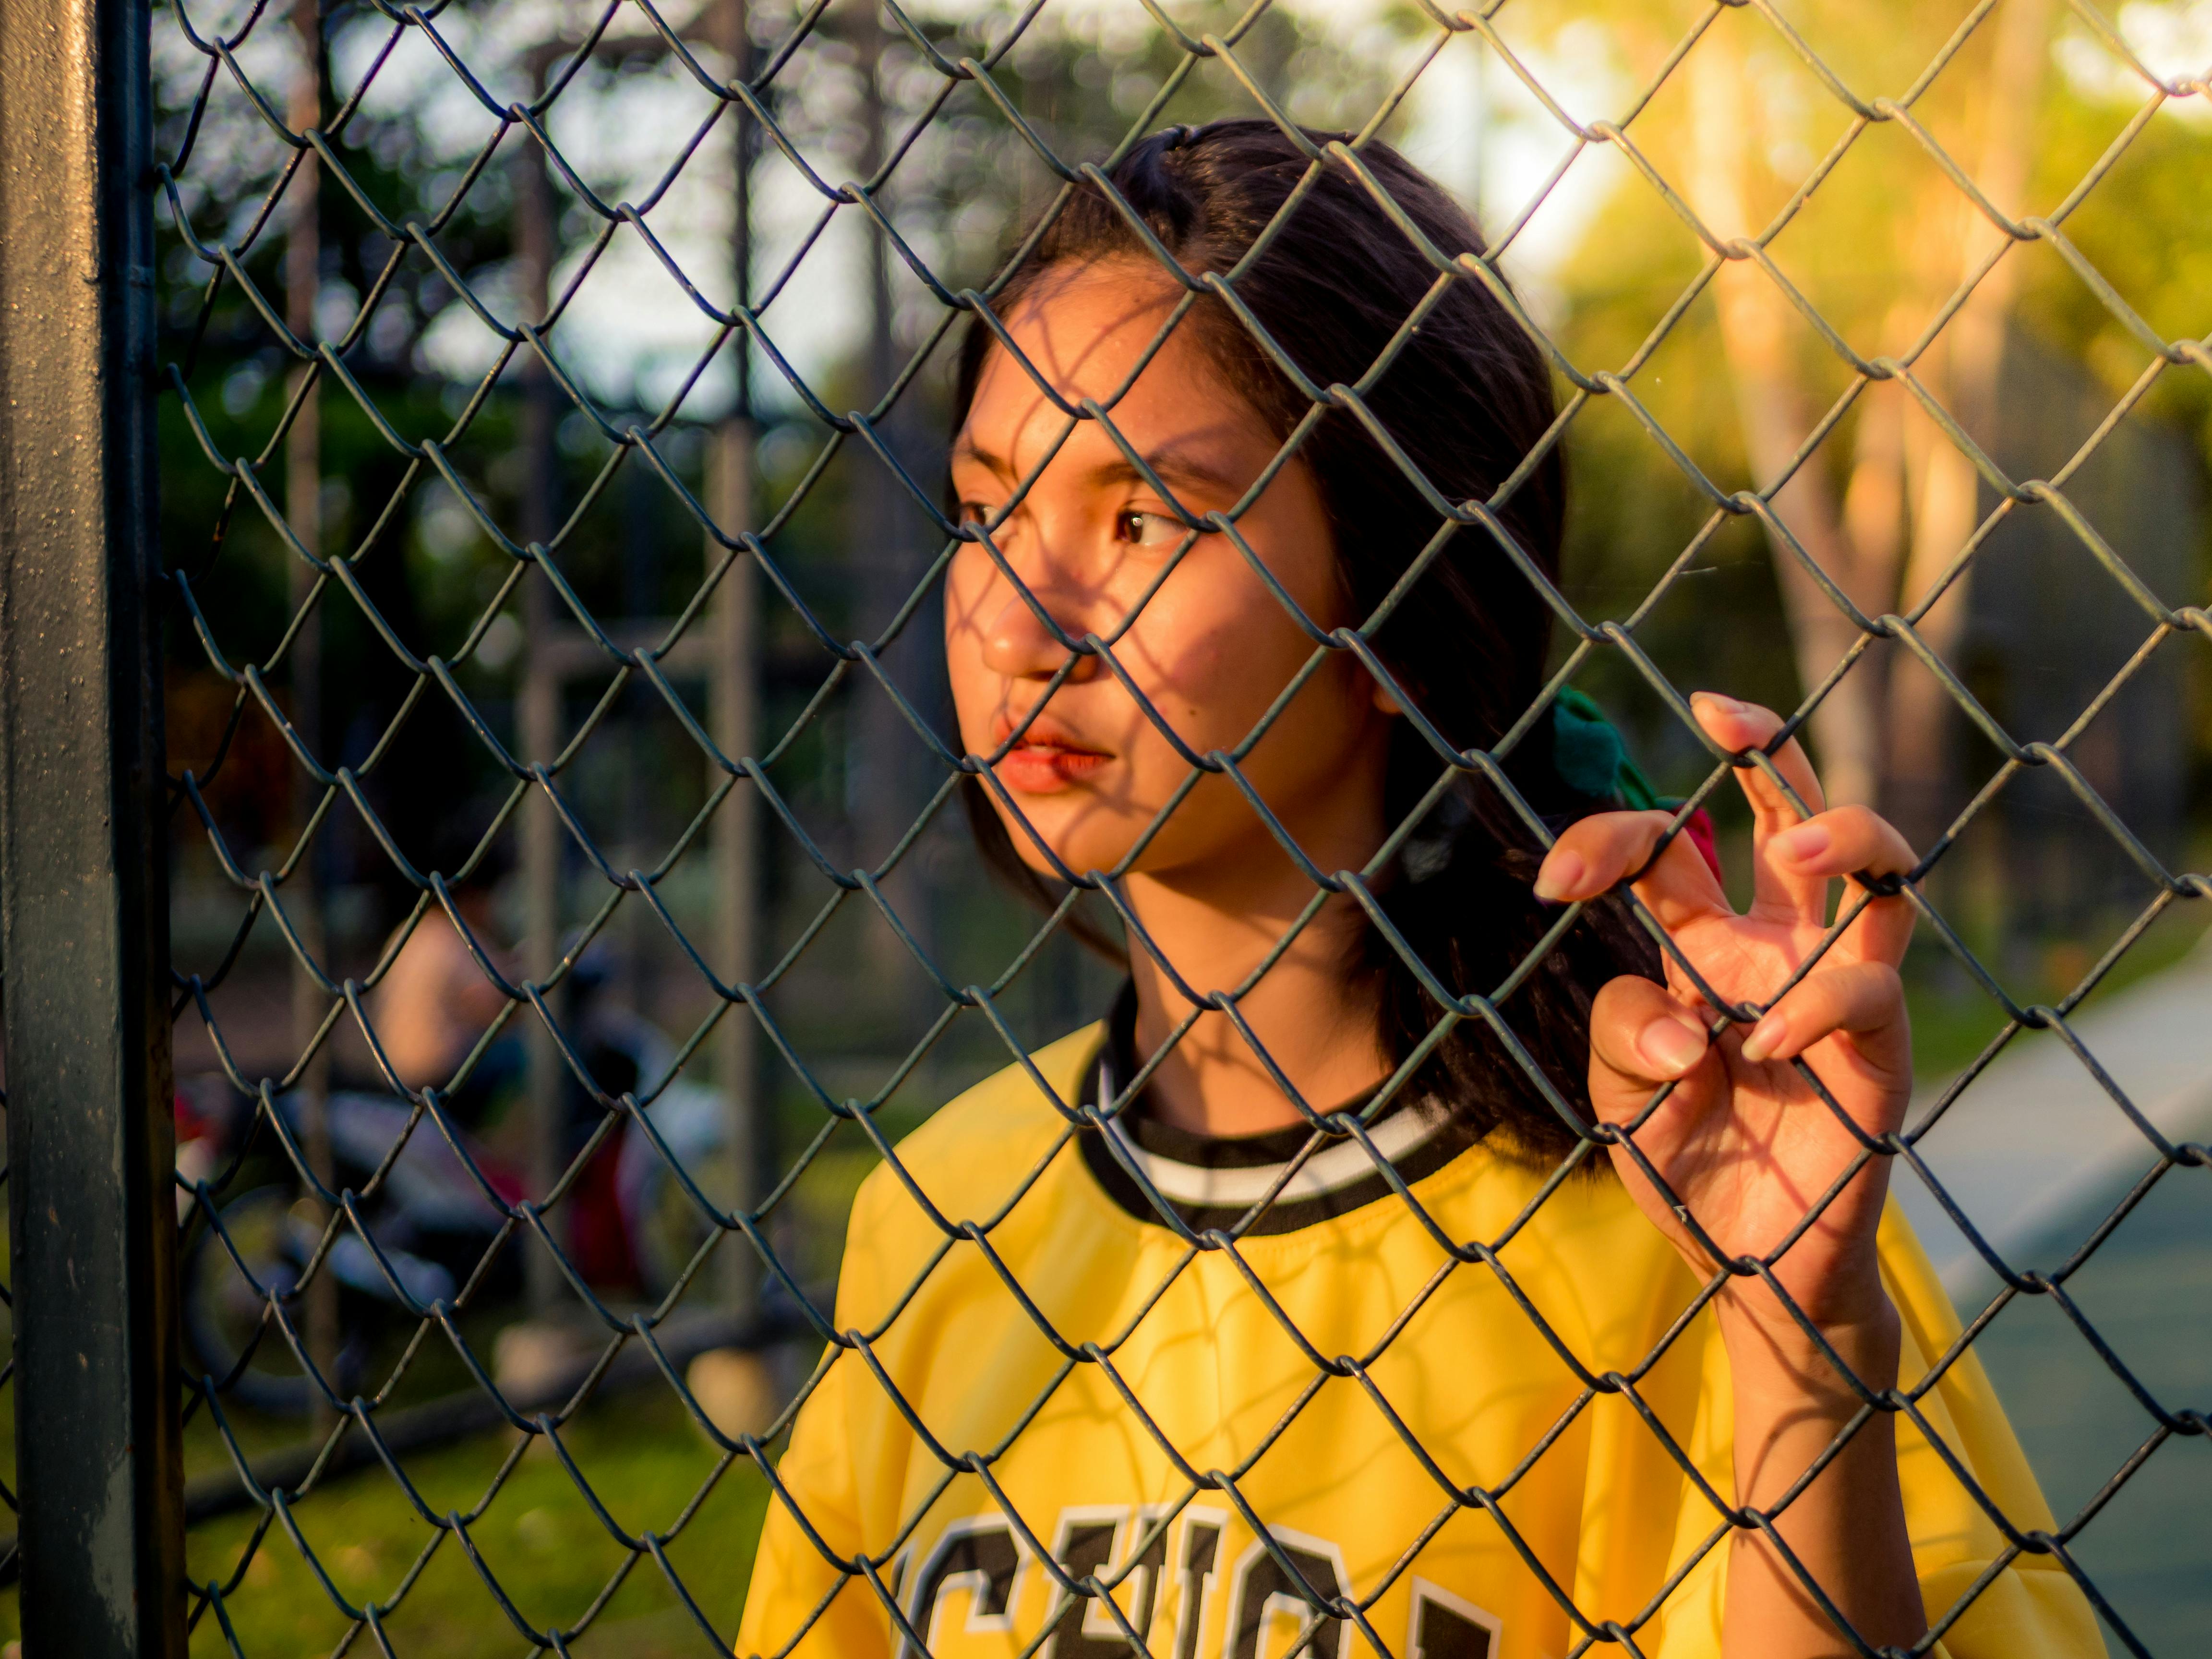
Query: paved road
2037, 1154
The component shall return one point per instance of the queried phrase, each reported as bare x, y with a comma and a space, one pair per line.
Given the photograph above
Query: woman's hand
1749, 1149
1743, 1141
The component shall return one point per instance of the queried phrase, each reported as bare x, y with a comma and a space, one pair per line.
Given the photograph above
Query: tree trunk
1961, 369
1775, 412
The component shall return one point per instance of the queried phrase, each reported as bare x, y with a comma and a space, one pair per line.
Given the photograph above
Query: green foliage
1084, 81
2146, 226
1869, 250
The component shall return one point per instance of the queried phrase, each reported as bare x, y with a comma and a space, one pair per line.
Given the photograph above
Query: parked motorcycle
627, 1223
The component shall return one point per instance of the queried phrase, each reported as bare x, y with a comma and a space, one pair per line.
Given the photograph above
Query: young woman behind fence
1448, 1457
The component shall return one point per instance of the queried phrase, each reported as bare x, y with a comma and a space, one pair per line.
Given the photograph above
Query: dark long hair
1467, 400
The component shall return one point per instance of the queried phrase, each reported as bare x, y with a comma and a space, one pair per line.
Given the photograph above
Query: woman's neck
1303, 1011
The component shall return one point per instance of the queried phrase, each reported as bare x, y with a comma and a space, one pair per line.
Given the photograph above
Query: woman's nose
1019, 644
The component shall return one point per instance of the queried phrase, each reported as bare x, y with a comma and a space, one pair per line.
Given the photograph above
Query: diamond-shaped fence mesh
572, 893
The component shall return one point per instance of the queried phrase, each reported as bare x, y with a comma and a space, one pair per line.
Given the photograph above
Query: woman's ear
1384, 701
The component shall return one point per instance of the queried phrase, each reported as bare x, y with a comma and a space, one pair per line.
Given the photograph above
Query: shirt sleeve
2031, 1610
799, 1602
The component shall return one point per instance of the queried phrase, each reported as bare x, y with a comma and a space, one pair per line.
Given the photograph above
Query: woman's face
1211, 648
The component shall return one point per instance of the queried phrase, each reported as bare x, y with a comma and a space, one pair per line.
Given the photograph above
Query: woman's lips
1037, 768
1045, 760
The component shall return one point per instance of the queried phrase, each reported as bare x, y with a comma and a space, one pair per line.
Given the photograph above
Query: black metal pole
748, 1162
536, 245
84, 923
304, 898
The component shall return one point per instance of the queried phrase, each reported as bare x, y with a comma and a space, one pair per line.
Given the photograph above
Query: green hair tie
1590, 758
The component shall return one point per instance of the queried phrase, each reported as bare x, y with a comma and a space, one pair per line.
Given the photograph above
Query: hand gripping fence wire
454, 361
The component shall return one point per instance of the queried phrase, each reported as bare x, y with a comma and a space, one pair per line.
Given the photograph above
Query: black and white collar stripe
1215, 1180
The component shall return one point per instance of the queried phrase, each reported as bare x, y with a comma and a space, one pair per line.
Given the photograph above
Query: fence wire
455, 368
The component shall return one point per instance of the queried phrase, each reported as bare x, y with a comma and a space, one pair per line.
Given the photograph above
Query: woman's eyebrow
967, 450
1181, 459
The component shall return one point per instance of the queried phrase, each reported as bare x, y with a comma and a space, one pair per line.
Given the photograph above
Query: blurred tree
1884, 246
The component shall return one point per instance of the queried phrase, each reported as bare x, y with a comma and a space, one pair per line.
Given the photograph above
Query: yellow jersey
1037, 1375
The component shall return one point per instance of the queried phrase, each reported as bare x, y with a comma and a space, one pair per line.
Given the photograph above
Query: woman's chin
1074, 849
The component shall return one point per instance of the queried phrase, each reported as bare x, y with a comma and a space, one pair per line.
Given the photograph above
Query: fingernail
1562, 872
1671, 1047
1764, 1038
1807, 841
1726, 704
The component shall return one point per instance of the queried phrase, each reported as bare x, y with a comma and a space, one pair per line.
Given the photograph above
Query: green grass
538, 1538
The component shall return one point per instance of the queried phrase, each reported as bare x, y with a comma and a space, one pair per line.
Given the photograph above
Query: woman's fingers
1851, 840
1641, 1037
1595, 854
1865, 999
1777, 894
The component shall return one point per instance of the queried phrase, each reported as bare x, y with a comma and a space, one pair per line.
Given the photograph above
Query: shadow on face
1088, 546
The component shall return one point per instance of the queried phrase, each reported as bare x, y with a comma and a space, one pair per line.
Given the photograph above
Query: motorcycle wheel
666, 1232
224, 1314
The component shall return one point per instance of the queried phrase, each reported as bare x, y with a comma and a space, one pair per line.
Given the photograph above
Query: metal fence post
83, 926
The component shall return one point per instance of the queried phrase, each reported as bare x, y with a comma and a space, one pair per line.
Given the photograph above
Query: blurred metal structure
91, 987
84, 919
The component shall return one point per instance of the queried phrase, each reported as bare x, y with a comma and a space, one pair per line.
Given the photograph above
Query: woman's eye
1149, 530
975, 512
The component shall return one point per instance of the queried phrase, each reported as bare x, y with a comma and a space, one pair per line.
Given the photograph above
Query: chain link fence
571, 902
